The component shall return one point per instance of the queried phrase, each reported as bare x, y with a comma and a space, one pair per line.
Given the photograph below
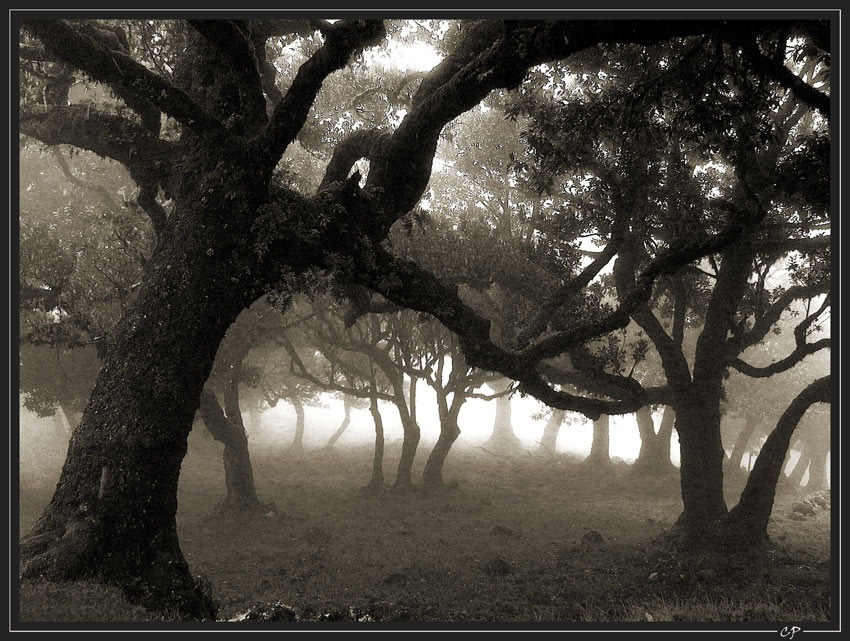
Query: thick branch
219, 426
450, 91
785, 77
82, 49
564, 293
104, 134
362, 143
345, 39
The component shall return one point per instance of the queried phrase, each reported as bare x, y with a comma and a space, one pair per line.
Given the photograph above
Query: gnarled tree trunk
701, 470
432, 475
238, 472
409, 444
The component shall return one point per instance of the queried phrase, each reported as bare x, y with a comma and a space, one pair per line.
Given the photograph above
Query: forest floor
511, 540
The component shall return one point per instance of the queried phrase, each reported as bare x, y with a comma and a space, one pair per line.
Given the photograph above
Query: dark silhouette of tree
235, 230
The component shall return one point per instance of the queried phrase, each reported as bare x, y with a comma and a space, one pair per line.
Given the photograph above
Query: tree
354, 363
236, 231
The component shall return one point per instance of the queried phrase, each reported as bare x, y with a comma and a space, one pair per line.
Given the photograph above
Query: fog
43, 440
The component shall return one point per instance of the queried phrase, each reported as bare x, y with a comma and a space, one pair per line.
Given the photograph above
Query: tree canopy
592, 175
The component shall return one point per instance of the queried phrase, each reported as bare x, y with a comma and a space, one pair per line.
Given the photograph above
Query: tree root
161, 582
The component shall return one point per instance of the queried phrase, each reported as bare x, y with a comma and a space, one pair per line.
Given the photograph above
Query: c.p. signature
789, 631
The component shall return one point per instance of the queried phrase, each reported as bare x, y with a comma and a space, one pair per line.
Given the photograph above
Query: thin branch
799, 353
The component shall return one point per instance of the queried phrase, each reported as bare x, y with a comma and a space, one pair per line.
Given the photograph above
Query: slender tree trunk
346, 404
377, 481
817, 471
404, 476
238, 472
432, 475
503, 440
412, 398
549, 440
600, 448
747, 521
795, 478
740, 448
298, 439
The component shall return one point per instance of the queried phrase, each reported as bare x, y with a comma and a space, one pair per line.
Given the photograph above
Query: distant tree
549, 439
236, 229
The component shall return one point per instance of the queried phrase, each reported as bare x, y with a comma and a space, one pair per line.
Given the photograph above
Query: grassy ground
510, 542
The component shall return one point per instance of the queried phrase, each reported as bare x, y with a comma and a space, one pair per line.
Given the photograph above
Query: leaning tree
202, 131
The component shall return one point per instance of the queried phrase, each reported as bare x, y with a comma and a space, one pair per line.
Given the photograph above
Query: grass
505, 544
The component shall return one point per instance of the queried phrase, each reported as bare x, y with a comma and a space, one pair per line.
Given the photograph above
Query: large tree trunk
113, 515
748, 520
238, 472
346, 421
503, 440
298, 438
432, 475
600, 447
701, 470
549, 440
